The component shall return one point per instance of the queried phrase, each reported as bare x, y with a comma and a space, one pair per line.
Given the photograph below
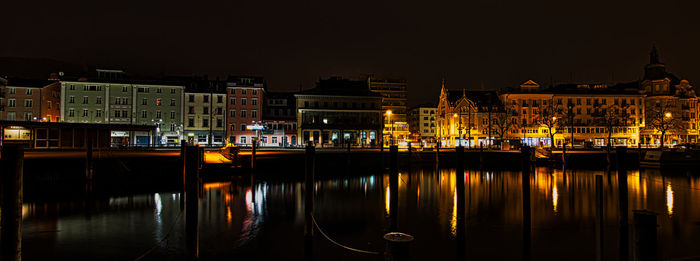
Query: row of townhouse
658, 110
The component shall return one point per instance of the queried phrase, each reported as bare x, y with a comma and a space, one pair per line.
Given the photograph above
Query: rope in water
341, 245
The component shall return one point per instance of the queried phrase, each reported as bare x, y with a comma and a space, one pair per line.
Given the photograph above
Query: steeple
654, 55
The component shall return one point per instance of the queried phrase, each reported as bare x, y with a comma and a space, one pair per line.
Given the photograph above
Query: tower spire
654, 55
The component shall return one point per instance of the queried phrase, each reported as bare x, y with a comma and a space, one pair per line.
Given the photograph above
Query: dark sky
498, 43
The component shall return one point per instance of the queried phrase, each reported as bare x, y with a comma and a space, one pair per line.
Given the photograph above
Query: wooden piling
393, 186
527, 219
645, 236
460, 191
88, 159
563, 155
623, 203
310, 167
252, 155
397, 246
12, 165
599, 217
192, 166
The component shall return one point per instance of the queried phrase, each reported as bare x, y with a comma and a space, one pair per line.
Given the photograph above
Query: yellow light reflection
555, 194
669, 199
387, 197
453, 220
216, 185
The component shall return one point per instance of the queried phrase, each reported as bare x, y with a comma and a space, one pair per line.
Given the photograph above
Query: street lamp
668, 115
388, 115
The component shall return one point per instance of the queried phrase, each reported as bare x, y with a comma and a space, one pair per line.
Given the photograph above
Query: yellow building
465, 117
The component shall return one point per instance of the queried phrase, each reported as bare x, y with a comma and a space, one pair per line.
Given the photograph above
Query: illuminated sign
255, 127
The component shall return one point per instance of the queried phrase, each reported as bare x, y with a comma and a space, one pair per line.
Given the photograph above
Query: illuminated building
279, 119
422, 122
29, 100
466, 117
205, 112
245, 107
394, 96
338, 112
111, 98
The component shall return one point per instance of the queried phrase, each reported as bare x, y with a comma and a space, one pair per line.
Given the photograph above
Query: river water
264, 220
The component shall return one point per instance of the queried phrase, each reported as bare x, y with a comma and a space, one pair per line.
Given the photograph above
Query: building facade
205, 114
339, 112
394, 110
422, 123
279, 120
245, 106
28, 100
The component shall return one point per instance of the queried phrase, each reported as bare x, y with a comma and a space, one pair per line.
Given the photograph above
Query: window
172, 91
232, 113
28, 103
11, 103
172, 102
49, 105
243, 140
205, 122
243, 101
274, 139
125, 101
206, 98
158, 101
11, 116
85, 112
578, 101
190, 122
242, 127
98, 100
219, 123
27, 116
98, 113
172, 115
254, 101
29, 91
219, 110
13, 91
242, 113
144, 114
86, 99
233, 101
117, 100
191, 98
71, 87
144, 101
125, 89
190, 110
253, 113
159, 90
219, 99
233, 91
243, 91
71, 99
117, 114
71, 112
255, 92
158, 114
205, 110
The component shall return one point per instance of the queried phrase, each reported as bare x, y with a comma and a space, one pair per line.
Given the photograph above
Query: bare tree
662, 117
550, 116
504, 122
612, 117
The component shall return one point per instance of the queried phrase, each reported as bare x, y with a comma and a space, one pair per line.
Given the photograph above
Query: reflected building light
669, 199
229, 218
173, 195
158, 203
387, 197
453, 219
555, 194
371, 181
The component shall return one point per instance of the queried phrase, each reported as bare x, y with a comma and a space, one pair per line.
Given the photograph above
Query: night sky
497, 43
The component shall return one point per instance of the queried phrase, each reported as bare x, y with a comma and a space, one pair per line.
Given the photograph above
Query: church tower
655, 70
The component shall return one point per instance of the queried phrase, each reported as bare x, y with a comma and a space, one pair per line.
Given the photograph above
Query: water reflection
242, 220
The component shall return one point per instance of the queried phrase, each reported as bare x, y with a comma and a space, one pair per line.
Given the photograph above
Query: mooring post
563, 155
252, 155
481, 155
310, 166
624, 214
192, 165
397, 246
393, 186
599, 216
437, 153
527, 220
12, 165
88, 159
640, 154
460, 191
645, 245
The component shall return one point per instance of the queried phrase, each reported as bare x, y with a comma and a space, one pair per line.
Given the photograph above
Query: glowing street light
668, 115
388, 115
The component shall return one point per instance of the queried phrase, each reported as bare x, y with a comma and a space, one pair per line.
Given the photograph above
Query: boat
671, 158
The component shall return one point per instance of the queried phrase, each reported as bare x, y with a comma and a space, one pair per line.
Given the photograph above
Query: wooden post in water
461, 231
393, 186
397, 246
88, 158
252, 155
192, 165
310, 167
645, 245
640, 154
563, 155
599, 217
437, 154
624, 215
527, 219
12, 165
